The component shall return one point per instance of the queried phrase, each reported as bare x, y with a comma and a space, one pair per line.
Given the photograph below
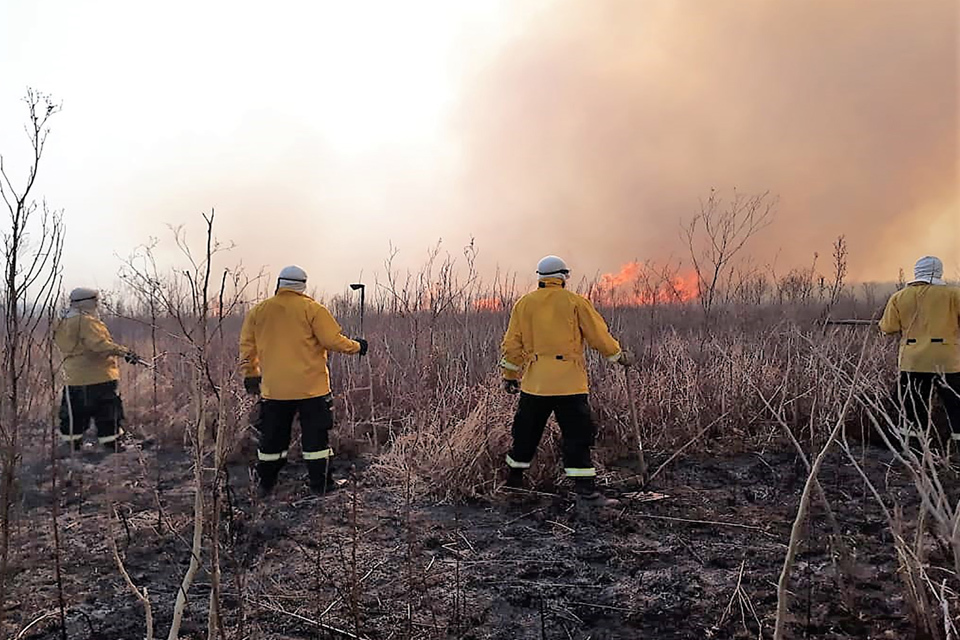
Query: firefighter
91, 370
926, 314
543, 360
283, 348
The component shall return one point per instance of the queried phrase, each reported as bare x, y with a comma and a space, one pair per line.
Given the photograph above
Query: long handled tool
856, 322
362, 288
852, 322
143, 362
632, 402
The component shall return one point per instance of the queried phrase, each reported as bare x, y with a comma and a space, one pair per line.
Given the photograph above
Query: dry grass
438, 403
440, 426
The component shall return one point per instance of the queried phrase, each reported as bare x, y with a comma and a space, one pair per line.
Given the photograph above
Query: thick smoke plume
601, 124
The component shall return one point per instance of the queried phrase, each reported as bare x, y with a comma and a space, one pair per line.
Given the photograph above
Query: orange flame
638, 284
488, 304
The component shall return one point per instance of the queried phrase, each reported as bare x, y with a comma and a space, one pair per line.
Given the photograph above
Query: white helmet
928, 269
84, 300
82, 294
552, 267
292, 277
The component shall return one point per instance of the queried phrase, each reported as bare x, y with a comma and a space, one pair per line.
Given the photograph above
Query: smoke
601, 125
581, 128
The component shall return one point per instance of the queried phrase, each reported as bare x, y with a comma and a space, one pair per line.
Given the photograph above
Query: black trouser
97, 402
576, 430
915, 394
276, 419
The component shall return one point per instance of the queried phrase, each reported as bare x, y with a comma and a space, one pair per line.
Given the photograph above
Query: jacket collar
551, 283
291, 292
73, 312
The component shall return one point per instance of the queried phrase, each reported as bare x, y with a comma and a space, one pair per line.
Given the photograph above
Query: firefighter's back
81, 365
549, 316
294, 363
930, 327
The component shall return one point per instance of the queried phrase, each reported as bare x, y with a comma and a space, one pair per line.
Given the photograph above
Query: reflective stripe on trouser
271, 457
513, 464
110, 438
315, 416
576, 428
580, 473
65, 437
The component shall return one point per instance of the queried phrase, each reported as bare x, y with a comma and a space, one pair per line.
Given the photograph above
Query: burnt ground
698, 559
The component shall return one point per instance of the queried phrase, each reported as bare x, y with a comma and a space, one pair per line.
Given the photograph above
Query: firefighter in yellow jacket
926, 314
543, 360
283, 348
91, 371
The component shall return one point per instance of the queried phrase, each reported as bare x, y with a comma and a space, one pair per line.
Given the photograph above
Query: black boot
264, 490
116, 446
321, 476
586, 488
72, 445
586, 491
515, 479
267, 474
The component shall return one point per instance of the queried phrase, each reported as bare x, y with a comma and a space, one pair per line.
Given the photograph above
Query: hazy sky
322, 131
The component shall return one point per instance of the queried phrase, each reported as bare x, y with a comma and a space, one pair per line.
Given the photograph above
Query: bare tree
799, 285
840, 253
32, 247
191, 298
718, 232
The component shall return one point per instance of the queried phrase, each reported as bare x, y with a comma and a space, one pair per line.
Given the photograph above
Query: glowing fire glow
488, 304
638, 284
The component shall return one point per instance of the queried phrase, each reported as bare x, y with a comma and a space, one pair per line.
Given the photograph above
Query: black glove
131, 358
251, 385
511, 386
363, 346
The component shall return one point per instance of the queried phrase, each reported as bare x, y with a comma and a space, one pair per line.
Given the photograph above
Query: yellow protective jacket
89, 354
285, 339
543, 346
927, 317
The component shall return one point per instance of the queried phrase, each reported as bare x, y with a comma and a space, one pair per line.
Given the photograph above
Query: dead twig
23, 632
142, 596
805, 498
296, 616
562, 526
684, 447
707, 522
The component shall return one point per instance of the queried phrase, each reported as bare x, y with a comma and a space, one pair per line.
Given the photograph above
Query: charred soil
696, 555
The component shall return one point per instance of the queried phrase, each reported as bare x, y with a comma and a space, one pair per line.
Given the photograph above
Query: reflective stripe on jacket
89, 353
544, 342
285, 339
927, 317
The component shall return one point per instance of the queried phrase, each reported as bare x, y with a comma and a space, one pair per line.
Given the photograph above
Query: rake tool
632, 402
